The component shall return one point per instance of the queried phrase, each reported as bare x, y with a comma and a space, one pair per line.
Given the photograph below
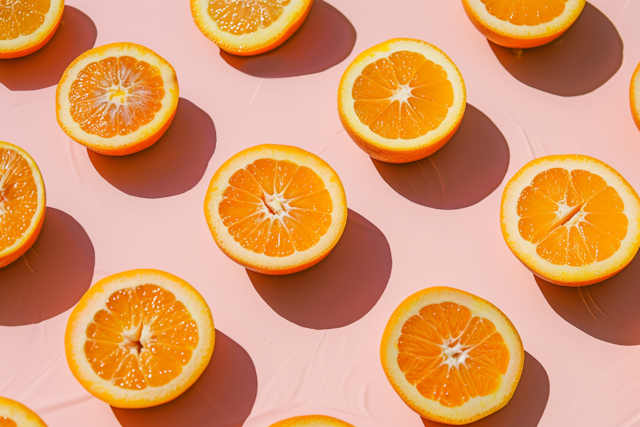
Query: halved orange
276, 209
22, 202
311, 421
27, 25
117, 99
139, 338
523, 23
249, 27
634, 95
451, 356
401, 100
14, 414
571, 219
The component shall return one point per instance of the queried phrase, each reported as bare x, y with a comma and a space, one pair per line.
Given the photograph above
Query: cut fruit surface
117, 99
22, 202
311, 421
451, 356
276, 209
523, 23
139, 338
14, 414
572, 220
249, 27
401, 100
27, 25
634, 96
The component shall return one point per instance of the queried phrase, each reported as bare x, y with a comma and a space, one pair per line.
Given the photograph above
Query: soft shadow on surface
462, 173
51, 277
578, 62
607, 310
223, 396
171, 166
325, 39
527, 405
341, 288
76, 34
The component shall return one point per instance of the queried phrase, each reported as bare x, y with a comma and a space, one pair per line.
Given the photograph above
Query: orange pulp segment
7, 422
529, 12
634, 96
15, 414
311, 421
27, 25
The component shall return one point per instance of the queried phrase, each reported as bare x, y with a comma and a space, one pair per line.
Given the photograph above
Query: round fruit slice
22, 202
523, 23
451, 356
27, 25
311, 421
572, 220
276, 209
249, 27
635, 96
401, 100
139, 338
14, 414
117, 99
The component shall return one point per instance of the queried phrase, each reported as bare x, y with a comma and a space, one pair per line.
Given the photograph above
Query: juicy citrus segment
117, 99
249, 27
276, 209
7, 422
147, 336
27, 25
14, 414
577, 216
451, 356
634, 96
529, 12
311, 421
401, 100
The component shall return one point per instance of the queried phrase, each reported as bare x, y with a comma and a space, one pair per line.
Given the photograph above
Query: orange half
451, 356
27, 25
14, 414
311, 421
634, 96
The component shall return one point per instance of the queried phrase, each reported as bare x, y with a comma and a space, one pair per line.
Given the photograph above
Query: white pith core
455, 353
137, 339
276, 206
119, 93
402, 94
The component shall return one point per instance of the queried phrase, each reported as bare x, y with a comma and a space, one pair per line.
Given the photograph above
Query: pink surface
309, 343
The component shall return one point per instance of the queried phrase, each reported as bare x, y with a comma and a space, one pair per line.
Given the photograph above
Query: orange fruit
571, 219
451, 356
525, 23
139, 338
22, 202
634, 94
401, 100
14, 414
249, 27
117, 99
276, 209
311, 421
26, 26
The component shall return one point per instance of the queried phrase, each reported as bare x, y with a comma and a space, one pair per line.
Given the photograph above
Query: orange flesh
21, 17
18, 197
450, 355
276, 207
574, 218
525, 12
245, 16
115, 96
402, 96
7, 422
142, 338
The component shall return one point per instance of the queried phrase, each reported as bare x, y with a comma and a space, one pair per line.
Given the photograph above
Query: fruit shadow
581, 60
527, 405
325, 39
51, 276
341, 288
171, 166
223, 396
76, 34
607, 310
462, 173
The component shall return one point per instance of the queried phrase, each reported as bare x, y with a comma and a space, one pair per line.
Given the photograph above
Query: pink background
309, 343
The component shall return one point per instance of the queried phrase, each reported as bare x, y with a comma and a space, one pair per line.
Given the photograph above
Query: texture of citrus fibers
7, 422
245, 16
276, 207
525, 12
402, 96
21, 17
574, 218
116, 96
142, 338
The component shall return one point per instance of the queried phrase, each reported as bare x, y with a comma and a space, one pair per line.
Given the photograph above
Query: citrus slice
311, 421
451, 356
572, 220
27, 25
635, 96
249, 27
401, 100
139, 338
276, 209
22, 202
14, 414
523, 23
117, 99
